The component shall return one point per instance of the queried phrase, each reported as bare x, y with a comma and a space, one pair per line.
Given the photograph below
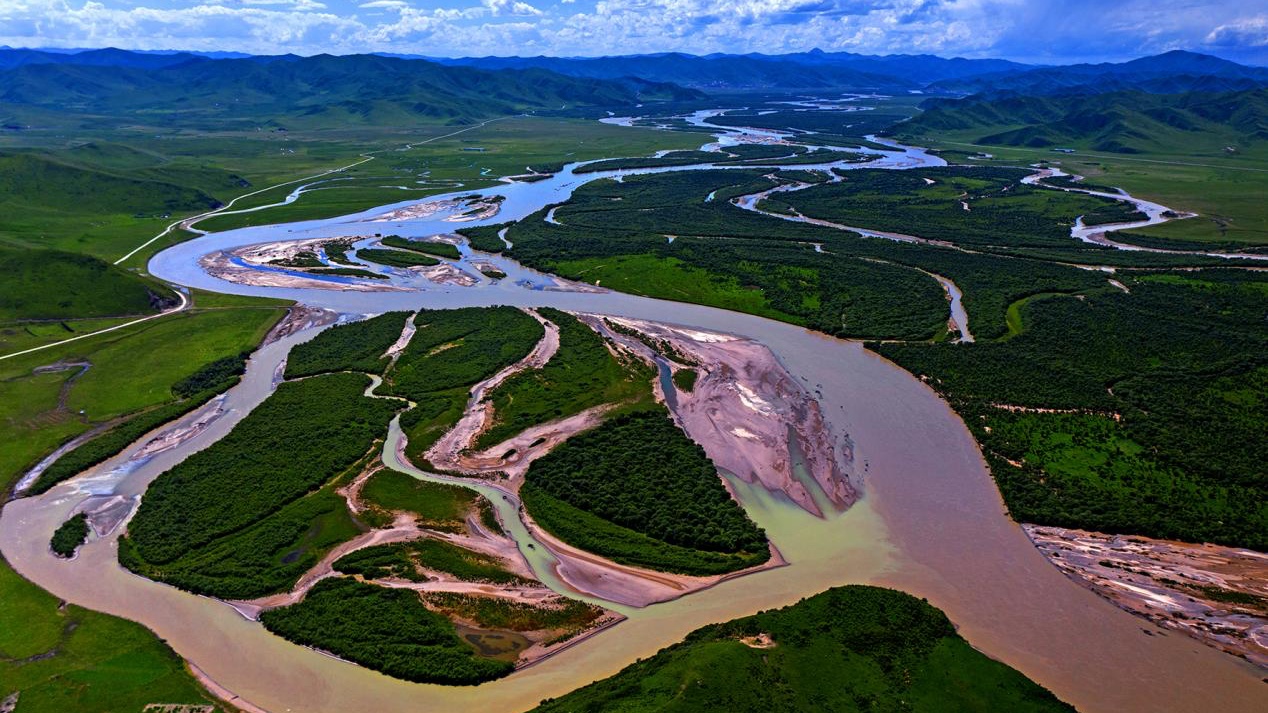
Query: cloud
1245, 32
1034, 30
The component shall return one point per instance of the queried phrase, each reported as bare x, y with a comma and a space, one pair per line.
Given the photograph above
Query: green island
389, 630
70, 535
410, 560
850, 648
639, 491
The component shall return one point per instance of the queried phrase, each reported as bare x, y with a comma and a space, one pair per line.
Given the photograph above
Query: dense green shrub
851, 648
298, 439
388, 630
638, 490
356, 346
70, 535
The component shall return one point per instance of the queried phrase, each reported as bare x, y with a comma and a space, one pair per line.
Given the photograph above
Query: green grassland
639, 491
581, 375
851, 648
409, 560
57, 285
61, 657
387, 630
284, 514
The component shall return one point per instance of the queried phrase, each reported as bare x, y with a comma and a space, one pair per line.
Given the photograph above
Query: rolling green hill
363, 89
1122, 122
850, 648
51, 284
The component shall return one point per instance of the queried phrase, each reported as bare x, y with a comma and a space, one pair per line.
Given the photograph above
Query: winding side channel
931, 522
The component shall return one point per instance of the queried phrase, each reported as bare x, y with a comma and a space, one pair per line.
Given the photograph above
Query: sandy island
1216, 594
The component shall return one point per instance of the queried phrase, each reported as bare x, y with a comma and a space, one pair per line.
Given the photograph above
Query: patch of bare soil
752, 418
1218, 595
220, 265
448, 274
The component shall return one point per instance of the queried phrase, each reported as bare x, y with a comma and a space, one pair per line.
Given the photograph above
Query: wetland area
851, 469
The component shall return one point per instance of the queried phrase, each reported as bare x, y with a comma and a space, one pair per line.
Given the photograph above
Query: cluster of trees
263, 558
849, 648
452, 351
357, 346
216, 377
396, 258
641, 473
303, 435
582, 374
444, 250
747, 258
405, 560
512, 615
1003, 211
69, 536
485, 237
1180, 361
387, 630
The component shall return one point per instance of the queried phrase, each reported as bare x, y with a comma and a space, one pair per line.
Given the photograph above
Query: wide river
930, 522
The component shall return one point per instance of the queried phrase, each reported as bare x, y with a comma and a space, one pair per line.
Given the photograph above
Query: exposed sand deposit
221, 264
448, 274
754, 420
1218, 595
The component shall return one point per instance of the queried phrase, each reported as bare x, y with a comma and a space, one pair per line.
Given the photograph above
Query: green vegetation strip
444, 250
396, 258
581, 375
507, 614
851, 648
407, 560
304, 435
357, 346
387, 630
639, 491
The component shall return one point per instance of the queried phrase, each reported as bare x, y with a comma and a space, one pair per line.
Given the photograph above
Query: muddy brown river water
930, 522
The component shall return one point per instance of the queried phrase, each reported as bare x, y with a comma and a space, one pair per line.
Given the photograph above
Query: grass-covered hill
51, 284
1169, 72
366, 89
851, 648
1121, 122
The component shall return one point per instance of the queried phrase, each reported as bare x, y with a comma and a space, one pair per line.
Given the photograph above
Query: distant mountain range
184, 89
1169, 73
1172, 72
1121, 122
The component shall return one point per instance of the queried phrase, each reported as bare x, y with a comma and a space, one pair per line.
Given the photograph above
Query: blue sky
1049, 31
